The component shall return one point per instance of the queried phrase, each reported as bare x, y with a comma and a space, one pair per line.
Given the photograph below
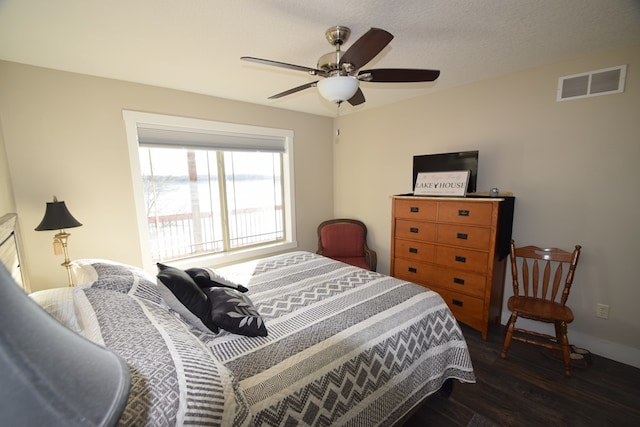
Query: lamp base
61, 239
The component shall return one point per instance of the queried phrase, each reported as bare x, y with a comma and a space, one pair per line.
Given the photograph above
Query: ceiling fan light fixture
338, 88
340, 71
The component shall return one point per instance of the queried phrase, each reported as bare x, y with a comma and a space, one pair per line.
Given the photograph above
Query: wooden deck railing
181, 235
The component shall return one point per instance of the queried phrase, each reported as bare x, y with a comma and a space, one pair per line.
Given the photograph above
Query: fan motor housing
330, 62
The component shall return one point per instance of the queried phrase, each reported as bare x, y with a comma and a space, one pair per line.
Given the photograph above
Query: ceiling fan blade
366, 47
312, 71
357, 98
398, 75
294, 90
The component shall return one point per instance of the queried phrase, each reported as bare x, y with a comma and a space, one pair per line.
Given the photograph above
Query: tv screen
446, 162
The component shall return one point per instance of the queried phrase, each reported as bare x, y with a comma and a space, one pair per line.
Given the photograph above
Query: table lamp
58, 217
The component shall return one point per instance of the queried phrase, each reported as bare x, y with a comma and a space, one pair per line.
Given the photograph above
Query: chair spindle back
540, 273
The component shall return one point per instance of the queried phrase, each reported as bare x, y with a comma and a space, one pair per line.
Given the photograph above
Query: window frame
135, 119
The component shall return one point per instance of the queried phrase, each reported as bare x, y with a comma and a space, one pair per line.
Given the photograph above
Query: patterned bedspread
345, 346
175, 380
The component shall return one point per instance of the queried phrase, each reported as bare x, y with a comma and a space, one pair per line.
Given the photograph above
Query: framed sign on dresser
458, 247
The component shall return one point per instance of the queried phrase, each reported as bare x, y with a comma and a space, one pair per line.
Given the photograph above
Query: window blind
222, 141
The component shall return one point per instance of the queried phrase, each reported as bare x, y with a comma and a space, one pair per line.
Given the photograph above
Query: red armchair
346, 240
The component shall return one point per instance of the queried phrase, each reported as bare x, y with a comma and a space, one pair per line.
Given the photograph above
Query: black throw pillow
187, 292
235, 312
206, 277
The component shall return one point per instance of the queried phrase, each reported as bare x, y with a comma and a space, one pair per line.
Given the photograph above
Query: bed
332, 344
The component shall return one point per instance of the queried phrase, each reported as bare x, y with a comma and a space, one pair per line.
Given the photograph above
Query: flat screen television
446, 162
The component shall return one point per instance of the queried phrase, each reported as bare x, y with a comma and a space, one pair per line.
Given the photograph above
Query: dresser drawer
463, 235
416, 251
461, 281
462, 259
416, 230
412, 270
416, 209
472, 213
465, 308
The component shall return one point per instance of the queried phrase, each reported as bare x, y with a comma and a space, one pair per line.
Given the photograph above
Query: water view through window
201, 201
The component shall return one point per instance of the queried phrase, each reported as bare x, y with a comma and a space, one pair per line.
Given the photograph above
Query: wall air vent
593, 83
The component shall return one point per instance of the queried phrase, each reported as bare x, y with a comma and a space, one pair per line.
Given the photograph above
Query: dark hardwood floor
530, 389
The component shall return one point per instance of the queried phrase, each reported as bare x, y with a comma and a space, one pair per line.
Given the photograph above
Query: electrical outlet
602, 311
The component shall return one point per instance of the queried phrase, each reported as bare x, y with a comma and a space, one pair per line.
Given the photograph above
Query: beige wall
7, 204
64, 135
573, 167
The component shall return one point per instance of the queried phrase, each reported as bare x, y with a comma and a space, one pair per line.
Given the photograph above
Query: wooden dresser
457, 247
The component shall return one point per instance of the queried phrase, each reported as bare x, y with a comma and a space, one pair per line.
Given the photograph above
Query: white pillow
82, 271
58, 303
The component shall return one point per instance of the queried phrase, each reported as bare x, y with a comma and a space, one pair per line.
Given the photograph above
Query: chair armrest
371, 257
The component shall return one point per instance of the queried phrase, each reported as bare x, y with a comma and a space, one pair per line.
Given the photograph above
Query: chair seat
357, 261
537, 309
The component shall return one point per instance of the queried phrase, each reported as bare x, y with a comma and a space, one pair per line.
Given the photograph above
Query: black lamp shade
57, 217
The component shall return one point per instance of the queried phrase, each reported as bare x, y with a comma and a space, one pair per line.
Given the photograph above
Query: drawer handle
413, 250
414, 209
462, 236
414, 230
463, 212
461, 258
458, 281
457, 302
412, 270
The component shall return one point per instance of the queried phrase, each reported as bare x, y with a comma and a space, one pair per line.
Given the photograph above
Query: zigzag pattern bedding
175, 380
346, 346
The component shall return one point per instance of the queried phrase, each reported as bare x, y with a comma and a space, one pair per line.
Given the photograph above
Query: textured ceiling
195, 45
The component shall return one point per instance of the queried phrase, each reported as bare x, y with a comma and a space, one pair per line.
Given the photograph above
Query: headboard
10, 248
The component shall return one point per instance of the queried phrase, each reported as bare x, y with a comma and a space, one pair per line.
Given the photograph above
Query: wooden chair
346, 240
542, 280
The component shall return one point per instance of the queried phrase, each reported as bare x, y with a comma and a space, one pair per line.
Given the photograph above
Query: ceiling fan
341, 70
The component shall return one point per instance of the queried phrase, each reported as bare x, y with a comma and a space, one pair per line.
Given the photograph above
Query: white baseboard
596, 345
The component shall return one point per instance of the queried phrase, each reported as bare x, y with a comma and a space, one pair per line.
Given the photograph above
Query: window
210, 189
